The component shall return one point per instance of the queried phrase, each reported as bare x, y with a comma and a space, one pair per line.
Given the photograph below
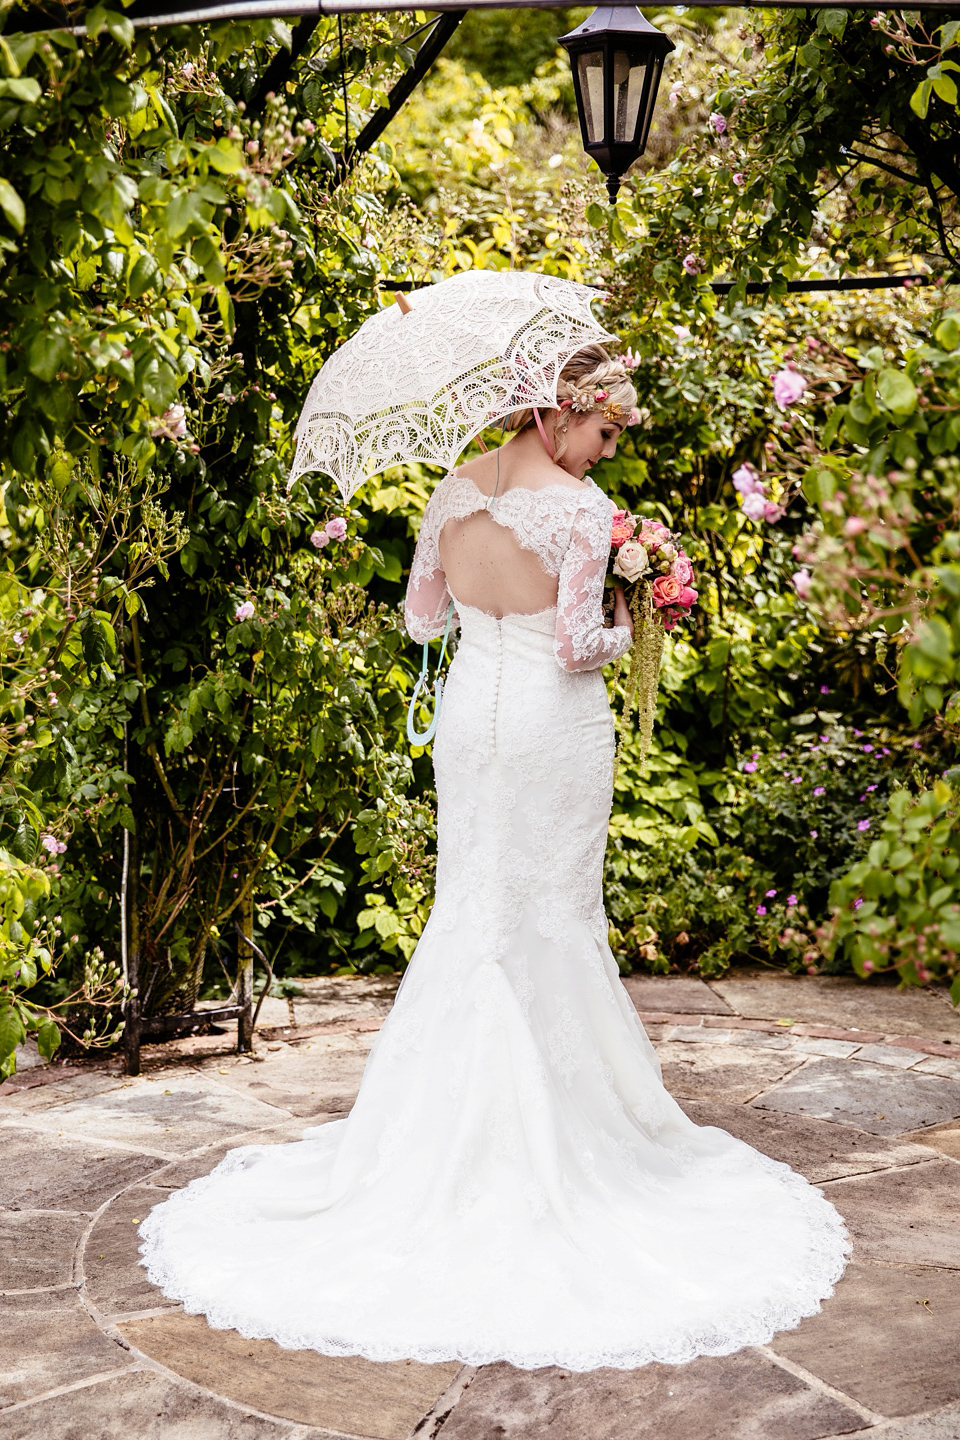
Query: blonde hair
590, 370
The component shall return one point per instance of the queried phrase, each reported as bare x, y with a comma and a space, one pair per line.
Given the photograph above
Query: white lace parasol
421, 385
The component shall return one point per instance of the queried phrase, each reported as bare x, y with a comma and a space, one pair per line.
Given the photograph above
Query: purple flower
246, 611
750, 766
857, 904
49, 844
863, 824
788, 387
319, 538
172, 425
761, 909
773, 512
755, 505
797, 780
791, 899
814, 834
739, 179
885, 751
693, 265
719, 122
868, 749
824, 739
871, 788
770, 894
824, 689
803, 584
336, 528
820, 790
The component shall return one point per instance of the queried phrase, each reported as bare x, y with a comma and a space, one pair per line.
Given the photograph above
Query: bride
513, 1182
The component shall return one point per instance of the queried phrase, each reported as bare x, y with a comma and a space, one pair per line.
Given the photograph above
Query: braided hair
592, 369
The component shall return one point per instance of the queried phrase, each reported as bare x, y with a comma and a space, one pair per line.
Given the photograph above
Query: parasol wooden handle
404, 303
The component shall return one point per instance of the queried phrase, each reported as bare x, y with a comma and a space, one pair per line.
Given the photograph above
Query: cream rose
631, 562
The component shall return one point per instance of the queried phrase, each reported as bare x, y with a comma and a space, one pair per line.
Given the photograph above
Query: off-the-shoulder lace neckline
587, 483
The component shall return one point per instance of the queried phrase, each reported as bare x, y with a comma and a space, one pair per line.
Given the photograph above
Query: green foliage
899, 907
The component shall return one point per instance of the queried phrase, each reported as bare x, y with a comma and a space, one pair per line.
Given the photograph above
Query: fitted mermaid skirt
513, 1182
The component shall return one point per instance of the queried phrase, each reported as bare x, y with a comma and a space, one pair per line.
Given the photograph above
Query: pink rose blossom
803, 584
746, 481
683, 334
791, 899
761, 909
336, 528
750, 766
246, 611
863, 825
682, 570
820, 790
754, 506
788, 387
773, 512
770, 894
319, 538
667, 590
623, 528
49, 844
739, 179
814, 834
688, 597
855, 525
719, 122
693, 265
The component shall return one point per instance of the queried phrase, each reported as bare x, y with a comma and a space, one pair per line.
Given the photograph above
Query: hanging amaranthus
656, 575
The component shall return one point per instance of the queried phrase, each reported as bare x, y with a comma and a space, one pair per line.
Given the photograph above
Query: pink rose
667, 591
788, 387
688, 597
245, 611
746, 480
693, 265
855, 525
773, 512
803, 584
739, 179
336, 528
719, 122
623, 528
754, 505
319, 538
682, 570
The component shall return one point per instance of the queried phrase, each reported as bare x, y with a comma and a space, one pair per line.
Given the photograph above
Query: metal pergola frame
152, 14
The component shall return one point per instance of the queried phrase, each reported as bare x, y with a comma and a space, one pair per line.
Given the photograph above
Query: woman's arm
581, 641
427, 599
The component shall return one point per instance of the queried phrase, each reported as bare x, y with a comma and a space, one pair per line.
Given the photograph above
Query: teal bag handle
413, 735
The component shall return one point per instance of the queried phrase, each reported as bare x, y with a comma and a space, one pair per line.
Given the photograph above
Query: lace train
514, 1182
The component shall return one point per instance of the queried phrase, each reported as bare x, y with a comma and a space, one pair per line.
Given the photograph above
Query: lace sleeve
581, 642
427, 599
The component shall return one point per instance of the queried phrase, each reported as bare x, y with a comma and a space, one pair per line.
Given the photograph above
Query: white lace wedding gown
513, 1182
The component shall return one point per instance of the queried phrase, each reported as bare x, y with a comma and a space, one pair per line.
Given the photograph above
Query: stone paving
856, 1086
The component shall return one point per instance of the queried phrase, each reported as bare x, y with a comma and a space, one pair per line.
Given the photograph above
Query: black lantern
617, 60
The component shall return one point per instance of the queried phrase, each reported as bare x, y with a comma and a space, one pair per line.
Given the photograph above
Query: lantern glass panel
628, 77
590, 68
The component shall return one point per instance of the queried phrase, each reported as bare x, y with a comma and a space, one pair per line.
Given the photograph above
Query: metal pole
281, 9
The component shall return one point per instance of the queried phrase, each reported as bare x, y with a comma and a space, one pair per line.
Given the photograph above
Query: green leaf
946, 89
897, 391
12, 206
920, 99
142, 276
24, 89
947, 333
48, 355
12, 1032
48, 1037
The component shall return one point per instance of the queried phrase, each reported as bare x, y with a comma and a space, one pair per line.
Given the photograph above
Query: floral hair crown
583, 399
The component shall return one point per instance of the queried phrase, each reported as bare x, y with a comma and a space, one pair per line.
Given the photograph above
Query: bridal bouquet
652, 567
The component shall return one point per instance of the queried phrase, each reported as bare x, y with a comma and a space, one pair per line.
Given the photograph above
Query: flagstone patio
857, 1087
